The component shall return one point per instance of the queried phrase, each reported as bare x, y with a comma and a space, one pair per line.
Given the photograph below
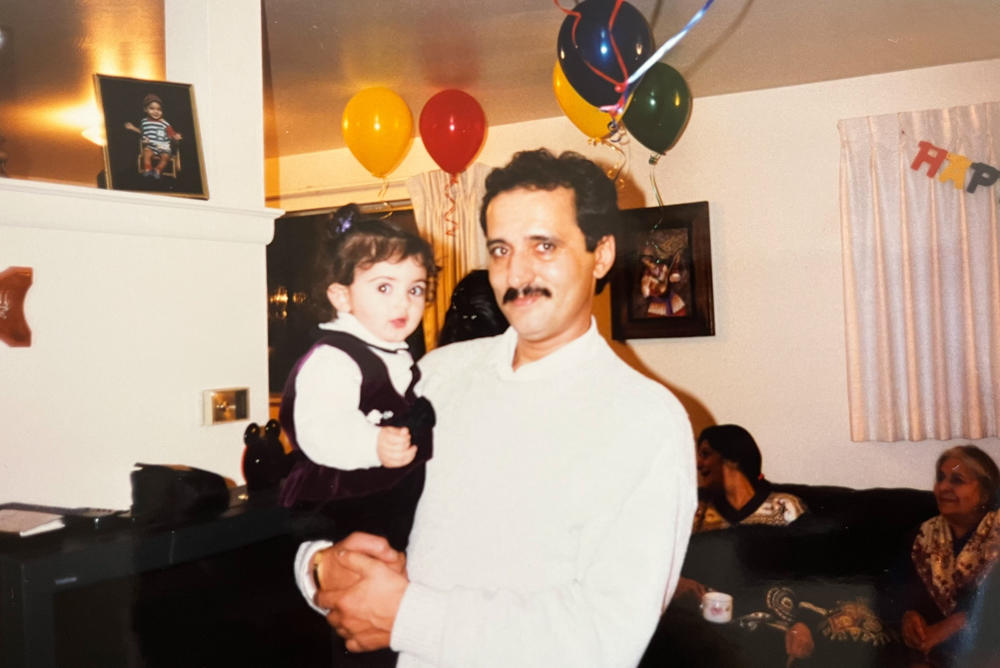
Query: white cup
717, 607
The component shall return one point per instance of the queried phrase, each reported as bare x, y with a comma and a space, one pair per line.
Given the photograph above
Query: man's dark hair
594, 194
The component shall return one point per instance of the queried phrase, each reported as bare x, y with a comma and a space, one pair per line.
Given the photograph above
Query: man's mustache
527, 291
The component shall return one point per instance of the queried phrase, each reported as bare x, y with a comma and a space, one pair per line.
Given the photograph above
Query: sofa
839, 557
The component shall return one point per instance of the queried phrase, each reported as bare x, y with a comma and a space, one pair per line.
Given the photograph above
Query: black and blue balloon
602, 42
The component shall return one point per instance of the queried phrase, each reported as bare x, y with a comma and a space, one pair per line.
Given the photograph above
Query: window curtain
921, 257
447, 216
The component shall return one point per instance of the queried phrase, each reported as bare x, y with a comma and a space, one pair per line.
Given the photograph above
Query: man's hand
364, 613
332, 575
362, 581
393, 447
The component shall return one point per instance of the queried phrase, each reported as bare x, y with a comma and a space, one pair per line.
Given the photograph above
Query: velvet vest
377, 500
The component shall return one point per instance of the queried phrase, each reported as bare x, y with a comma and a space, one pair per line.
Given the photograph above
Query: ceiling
318, 53
321, 52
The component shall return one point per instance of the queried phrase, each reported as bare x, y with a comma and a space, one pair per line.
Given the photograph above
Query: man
558, 504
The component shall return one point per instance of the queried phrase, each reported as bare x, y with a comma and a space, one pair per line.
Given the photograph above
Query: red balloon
452, 127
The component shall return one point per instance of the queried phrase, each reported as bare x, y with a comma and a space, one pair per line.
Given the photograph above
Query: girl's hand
393, 447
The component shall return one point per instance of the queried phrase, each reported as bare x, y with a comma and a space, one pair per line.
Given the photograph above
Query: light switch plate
226, 405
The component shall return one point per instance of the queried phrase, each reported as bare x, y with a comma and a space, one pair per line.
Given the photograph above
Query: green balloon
660, 108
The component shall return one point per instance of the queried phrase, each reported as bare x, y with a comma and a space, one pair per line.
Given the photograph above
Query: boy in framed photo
158, 137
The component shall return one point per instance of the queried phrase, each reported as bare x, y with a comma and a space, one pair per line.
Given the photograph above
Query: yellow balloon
378, 129
589, 119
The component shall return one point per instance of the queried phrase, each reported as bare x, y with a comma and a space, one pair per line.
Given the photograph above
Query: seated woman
951, 556
731, 488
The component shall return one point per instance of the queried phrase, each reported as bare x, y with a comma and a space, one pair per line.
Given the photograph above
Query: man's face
540, 269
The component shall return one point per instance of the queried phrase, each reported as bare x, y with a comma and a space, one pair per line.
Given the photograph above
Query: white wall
138, 304
141, 302
767, 162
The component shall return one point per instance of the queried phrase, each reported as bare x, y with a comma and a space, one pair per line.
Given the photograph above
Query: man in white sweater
557, 507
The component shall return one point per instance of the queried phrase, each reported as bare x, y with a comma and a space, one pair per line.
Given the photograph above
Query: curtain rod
333, 190
389, 206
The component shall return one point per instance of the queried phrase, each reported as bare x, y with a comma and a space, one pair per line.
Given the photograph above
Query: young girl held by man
359, 433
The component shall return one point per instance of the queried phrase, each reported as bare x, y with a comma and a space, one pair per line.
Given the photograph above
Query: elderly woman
952, 554
732, 489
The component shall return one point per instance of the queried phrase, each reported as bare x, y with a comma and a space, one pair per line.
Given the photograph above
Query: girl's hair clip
344, 218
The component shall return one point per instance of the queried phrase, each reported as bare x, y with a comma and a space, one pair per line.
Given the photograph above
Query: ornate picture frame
661, 284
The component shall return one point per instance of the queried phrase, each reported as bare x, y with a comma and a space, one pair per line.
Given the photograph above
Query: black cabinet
215, 592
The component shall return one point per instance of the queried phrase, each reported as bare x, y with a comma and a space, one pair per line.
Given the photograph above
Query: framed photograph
153, 143
661, 284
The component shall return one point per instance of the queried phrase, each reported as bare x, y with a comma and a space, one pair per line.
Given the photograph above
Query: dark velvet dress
377, 500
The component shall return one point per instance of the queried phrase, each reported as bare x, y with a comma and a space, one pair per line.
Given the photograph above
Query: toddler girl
359, 432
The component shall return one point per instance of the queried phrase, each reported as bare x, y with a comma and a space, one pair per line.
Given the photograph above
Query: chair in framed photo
172, 167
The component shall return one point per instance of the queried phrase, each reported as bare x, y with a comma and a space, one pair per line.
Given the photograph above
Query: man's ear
604, 255
339, 296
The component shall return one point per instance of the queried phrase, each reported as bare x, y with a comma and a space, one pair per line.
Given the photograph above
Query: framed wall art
153, 143
661, 284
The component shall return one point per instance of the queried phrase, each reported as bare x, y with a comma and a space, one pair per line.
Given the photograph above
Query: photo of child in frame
152, 136
158, 138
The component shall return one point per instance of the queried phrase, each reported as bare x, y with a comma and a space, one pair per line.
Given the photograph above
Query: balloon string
669, 44
656, 188
619, 86
615, 173
576, 20
450, 224
567, 11
614, 141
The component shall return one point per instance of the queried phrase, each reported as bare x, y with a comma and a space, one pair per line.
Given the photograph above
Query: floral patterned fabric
946, 574
776, 509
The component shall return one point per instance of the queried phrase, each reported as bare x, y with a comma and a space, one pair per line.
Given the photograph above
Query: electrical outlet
226, 405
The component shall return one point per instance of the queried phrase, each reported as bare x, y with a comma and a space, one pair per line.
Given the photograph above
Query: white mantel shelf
28, 204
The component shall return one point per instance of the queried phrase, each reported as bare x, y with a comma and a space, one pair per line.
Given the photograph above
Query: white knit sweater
556, 512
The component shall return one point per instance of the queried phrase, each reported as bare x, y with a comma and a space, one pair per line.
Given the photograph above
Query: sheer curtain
921, 254
448, 216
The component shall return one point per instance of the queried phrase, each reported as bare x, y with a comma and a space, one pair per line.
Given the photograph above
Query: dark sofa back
847, 535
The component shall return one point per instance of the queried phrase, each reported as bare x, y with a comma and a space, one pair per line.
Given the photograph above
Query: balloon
660, 108
594, 45
590, 120
377, 127
452, 127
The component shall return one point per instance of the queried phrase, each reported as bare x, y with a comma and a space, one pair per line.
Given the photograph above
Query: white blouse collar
346, 322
